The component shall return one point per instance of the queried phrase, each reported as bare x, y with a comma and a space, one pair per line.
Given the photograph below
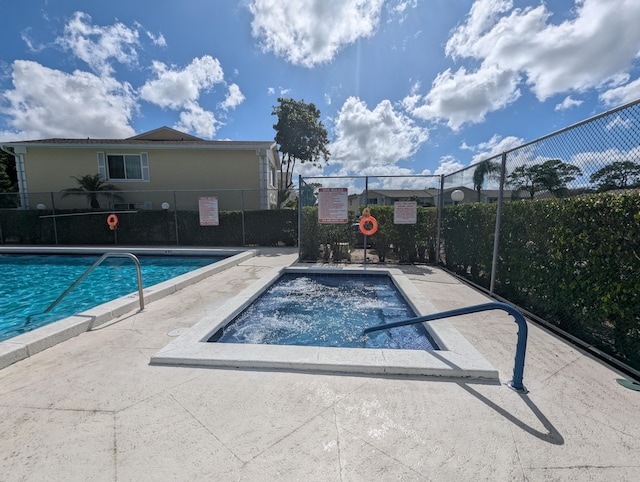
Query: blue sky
405, 87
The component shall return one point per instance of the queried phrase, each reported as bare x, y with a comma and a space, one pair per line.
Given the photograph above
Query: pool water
327, 310
30, 283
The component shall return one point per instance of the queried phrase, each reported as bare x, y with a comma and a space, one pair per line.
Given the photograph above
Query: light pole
457, 196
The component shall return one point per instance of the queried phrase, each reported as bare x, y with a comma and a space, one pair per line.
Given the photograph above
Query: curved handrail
521, 347
95, 265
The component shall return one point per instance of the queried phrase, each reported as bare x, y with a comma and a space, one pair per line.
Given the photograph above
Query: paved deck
92, 408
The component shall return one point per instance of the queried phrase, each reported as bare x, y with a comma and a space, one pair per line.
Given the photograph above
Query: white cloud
312, 32
176, 88
462, 97
594, 48
306, 169
25, 35
98, 45
49, 103
493, 147
197, 120
620, 123
447, 165
181, 88
367, 139
591, 161
568, 103
622, 95
158, 40
401, 8
234, 98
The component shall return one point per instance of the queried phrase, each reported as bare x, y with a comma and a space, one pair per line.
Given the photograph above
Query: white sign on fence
208, 208
333, 204
405, 212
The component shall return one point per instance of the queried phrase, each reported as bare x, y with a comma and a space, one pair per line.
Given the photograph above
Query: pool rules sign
333, 204
405, 212
208, 209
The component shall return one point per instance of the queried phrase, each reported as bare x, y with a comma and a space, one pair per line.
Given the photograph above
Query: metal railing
95, 265
521, 347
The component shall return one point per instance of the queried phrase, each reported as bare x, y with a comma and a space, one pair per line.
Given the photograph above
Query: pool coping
456, 358
28, 344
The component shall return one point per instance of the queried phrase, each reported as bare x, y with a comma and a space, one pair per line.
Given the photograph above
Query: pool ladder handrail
95, 265
521, 347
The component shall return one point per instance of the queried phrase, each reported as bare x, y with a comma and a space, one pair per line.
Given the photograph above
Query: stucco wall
49, 169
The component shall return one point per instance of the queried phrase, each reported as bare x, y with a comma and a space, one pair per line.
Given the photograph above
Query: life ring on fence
112, 221
374, 225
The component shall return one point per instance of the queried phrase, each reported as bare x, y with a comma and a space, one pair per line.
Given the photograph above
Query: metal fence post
300, 200
55, 224
366, 198
439, 221
244, 238
175, 216
496, 238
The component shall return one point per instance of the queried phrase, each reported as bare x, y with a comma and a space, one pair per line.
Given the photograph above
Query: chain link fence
339, 238
552, 226
168, 218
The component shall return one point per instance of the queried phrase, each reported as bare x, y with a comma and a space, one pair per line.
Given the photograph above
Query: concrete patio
93, 408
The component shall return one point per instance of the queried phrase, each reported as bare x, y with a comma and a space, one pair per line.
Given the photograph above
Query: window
124, 167
273, 179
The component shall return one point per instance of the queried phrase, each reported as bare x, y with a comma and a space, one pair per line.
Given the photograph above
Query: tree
483, 170
301, 136
523, 179
618, 175
8, 181
90, 186
552, 175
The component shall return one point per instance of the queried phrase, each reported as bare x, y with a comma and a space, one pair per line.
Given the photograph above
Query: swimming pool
32, 282
323, 309
29, 343
455, 358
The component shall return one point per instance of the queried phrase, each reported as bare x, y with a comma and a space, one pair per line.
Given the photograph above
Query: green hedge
403, 243
574, 262
319, 241
148, 228
468, 231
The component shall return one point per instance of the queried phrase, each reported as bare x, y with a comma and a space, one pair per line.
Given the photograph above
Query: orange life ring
112, 221
374, 225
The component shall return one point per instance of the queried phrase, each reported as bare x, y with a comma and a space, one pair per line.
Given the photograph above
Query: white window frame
103, 166
273, 176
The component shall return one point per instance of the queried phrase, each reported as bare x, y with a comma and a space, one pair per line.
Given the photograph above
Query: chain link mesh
569, 229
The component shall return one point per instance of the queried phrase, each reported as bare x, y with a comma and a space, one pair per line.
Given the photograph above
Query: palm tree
484, 169
90, 185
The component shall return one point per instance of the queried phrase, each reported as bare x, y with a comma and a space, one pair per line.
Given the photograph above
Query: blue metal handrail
521, 347
95, 265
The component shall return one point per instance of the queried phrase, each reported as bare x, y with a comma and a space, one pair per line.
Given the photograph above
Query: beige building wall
49, 169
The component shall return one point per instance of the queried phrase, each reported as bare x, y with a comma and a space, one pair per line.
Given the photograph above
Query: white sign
405, 212
208, 207
333, 204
